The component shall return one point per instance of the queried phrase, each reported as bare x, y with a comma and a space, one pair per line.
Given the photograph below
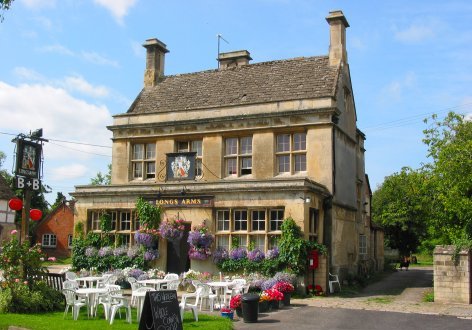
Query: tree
4, 5
7, 176
450, 146
102, 179
400, 206
60, 198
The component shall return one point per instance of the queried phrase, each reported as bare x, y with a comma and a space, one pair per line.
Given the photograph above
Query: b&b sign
27, 183
161, 311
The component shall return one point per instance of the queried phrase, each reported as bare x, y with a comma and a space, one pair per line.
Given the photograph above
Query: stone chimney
233, 59
337, 37
155, 54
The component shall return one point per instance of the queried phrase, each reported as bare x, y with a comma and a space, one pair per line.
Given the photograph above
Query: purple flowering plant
273, 253
172, 229
238, 253
145, 239
256, 255
220, 255
200, 241
90, 251
105, 251
151, 254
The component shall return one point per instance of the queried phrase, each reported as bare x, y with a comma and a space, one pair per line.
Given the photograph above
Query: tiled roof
298, 78
5, 190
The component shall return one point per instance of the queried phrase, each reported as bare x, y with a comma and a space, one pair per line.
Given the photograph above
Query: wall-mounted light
307, 200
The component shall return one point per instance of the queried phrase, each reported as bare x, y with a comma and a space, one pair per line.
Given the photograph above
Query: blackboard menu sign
161, 311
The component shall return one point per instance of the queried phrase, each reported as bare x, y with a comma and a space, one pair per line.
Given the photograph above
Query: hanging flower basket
145, 239
200, 241
172, 230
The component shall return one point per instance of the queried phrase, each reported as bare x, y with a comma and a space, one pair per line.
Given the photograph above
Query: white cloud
138, 49
418, 31
77, 83
394, 90
91, 57
27, 74
68, 172
118, 8
62, 117
58, 49
98, 59
39, 4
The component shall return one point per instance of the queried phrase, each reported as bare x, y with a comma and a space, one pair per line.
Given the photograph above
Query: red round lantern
35, 214
15, 204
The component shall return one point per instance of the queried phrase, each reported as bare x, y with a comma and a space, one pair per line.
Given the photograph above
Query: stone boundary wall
452, 281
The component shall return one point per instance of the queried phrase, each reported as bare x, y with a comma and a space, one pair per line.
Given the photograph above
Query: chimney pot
155, 55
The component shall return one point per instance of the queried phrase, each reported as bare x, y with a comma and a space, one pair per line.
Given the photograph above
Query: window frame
238, 153
291, 147
49, 237
143, 162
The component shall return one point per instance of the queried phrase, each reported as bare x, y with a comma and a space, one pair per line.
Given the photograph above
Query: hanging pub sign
180, 166
28, 158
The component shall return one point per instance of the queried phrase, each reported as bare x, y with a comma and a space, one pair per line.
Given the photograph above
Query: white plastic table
156, 283
91, 294
220, 288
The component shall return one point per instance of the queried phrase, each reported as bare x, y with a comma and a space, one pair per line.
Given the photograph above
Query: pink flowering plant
200, 240
275, 294
22, 291
284, 287
172, 229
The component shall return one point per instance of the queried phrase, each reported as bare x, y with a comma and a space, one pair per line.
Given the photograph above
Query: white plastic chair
207, 293
72, 300
71, 276
186, 305
134, 285
72, 285
118, 302
170, 276
333, 279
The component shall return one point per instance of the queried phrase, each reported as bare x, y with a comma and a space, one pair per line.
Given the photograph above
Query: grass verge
55, 321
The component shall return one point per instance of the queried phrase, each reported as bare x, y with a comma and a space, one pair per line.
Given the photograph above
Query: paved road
395, 302
313, 318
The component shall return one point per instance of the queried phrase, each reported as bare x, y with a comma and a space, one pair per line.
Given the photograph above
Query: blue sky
67, 66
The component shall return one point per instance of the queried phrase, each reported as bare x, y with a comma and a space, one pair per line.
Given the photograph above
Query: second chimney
155, 54
233, 59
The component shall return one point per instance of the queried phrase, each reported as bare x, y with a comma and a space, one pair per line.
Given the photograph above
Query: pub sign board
180, 166
28, 159
161, 311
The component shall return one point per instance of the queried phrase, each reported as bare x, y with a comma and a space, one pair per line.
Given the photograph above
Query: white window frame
258, 224
193, 146
274, 218
49, 240
223, 220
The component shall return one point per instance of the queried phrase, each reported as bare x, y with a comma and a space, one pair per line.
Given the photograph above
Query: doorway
178, 260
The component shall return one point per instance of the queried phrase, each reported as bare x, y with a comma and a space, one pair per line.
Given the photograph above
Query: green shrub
5, 300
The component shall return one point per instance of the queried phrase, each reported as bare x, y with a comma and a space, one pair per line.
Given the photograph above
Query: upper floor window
276, 219
193, 146
291, 153
125, 221
238, 156
144, 161
49, 240
222, 220
240, 220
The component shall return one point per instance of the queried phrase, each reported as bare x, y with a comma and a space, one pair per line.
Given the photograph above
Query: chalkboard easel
161, 311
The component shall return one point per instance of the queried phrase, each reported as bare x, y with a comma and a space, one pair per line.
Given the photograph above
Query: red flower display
284, 287
235, 302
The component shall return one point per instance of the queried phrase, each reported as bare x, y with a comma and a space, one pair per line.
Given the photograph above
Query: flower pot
263, 306
228, 315
274, 304
286, 300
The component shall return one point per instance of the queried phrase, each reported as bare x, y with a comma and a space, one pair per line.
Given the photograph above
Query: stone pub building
271, 140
